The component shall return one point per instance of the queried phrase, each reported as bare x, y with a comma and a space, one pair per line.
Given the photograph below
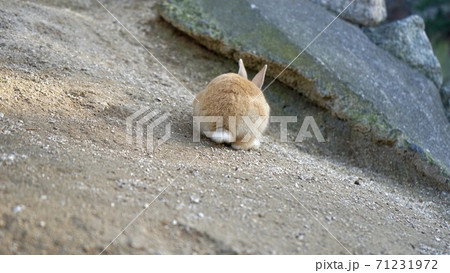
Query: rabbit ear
258, 80
242, 71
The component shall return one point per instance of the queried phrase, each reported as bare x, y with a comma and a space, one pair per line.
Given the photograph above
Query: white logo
308, 122
142, 120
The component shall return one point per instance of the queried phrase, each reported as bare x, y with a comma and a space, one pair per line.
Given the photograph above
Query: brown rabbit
239, 106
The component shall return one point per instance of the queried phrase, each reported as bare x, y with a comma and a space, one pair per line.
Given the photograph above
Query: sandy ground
70, 75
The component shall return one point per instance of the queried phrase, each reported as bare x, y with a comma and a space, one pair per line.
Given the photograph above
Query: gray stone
406, 39
362, 12
342, 71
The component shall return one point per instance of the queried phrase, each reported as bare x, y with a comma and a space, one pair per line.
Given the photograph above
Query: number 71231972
407, 264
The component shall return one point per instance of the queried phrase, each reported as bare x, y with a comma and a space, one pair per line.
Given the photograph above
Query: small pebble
174, 222
201, 215
146, 205
195, 199
18, 208
42, 224
1, 115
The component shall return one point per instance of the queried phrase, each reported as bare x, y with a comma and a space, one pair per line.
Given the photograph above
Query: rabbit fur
239, 104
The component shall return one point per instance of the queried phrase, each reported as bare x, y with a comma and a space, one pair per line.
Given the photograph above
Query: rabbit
239, 104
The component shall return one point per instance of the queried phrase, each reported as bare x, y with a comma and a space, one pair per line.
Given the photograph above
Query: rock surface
342, 71
362, 12
406, 39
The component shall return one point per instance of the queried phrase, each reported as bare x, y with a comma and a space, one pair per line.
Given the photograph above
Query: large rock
342, 70
362, 12
406, 39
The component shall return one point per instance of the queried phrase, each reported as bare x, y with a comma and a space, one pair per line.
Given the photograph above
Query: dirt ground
70, 75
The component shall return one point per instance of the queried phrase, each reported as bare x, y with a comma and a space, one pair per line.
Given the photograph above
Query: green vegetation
437, 22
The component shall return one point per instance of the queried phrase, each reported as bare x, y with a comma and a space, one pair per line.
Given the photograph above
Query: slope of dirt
70, 75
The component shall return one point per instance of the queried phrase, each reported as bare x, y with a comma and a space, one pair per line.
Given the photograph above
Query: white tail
221, 135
